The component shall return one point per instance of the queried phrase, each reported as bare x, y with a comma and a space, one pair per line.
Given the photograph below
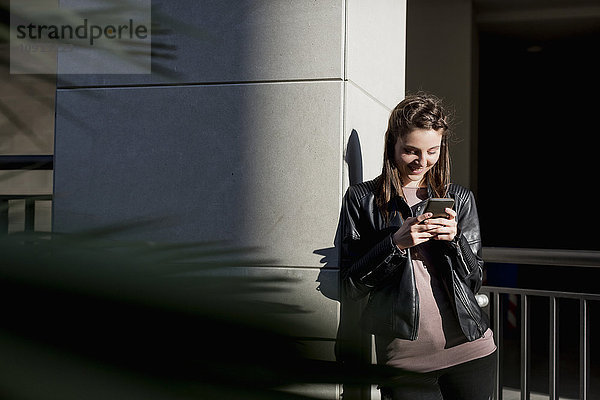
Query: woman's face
417, 153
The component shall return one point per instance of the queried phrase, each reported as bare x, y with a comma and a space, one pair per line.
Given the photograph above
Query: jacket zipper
465, 302
385, 262
415, 332
462, 260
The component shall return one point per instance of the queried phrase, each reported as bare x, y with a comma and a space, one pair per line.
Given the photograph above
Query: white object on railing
482, 300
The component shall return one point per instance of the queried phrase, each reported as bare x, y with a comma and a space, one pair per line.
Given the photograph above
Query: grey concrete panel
246, 40
366, 123
376, 48
317, 319
255, 164
27, 116
26, 182
311, 319
294, 192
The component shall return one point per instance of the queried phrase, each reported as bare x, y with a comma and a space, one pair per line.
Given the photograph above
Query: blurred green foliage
85, 316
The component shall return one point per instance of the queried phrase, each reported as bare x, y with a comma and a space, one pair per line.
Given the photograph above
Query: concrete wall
440, 47
242, 135
26, 128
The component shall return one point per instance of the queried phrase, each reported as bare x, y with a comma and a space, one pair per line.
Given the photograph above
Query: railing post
554, 297
3, 216
525, 350
553, 349
29, 214
498, 337
584, 350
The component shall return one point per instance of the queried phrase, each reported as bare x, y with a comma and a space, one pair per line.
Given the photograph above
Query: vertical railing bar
3, 216
553, 349
524, 347
498, 337
29, 215
584, 346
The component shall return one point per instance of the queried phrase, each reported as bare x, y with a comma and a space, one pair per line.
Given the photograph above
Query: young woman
420, 273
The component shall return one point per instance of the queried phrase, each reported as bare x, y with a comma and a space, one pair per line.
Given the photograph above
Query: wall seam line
368, 94
204, 84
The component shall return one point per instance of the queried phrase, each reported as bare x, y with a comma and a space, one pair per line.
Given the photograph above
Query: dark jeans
473, 380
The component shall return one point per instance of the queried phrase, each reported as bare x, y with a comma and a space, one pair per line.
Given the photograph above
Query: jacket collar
399, 204
429, 191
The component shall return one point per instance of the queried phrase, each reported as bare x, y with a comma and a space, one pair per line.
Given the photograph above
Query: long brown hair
420, 111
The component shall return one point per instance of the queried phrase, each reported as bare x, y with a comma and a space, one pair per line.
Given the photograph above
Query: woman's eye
431, 153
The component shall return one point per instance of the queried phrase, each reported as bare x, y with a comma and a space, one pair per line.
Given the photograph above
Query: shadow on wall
329, 283
352, 347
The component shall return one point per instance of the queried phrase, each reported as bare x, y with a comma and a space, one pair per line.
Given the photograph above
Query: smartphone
438, 205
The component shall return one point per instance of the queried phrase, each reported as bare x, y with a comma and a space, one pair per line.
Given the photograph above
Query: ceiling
538, 19
501, 5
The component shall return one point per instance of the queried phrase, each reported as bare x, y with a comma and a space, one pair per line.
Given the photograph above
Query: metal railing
542, 257
570, 258
30, 214
23, 162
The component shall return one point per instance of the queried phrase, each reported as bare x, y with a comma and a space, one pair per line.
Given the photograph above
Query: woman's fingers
443, 228
412, 232
422, 217
437, 222
419, 229
440, 232
452, 214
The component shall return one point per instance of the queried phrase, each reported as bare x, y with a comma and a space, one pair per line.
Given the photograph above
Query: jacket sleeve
467, 243
364, 266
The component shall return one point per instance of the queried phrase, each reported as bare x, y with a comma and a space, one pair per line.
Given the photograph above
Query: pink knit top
440, 343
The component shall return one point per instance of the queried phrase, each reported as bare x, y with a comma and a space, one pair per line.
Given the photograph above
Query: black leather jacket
372, 265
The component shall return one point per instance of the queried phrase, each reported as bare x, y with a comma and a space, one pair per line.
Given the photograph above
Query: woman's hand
443, 228
413, 232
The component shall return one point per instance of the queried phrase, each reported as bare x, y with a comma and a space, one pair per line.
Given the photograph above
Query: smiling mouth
416, 170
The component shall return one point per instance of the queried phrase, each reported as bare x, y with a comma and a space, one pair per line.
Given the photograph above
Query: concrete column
240, 135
